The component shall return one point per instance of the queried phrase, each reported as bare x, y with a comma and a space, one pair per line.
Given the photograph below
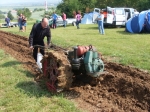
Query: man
64, 19
7, 20
37, 34
100, 19
20, 22
135, 12
54, 16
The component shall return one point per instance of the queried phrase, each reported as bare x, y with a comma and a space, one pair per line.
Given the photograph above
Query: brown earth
122, 89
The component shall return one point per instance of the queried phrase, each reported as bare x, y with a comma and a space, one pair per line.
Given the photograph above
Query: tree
2, 16
9, 15
143, 5
25, 11
1, 12
38, 9
87, 5
69, 6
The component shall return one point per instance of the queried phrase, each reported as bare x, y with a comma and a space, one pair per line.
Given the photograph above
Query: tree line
85, 6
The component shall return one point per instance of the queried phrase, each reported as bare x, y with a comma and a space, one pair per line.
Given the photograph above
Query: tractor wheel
57, 71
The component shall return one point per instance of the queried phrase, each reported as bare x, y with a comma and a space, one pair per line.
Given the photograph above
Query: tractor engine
58, 65
86, 60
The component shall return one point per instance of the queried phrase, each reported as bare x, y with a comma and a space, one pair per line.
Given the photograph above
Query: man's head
20, 14
44, 22
101, 12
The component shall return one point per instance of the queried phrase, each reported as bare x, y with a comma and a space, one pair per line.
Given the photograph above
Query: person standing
135, 12
100, 19
64, 19
78, 19
7, 20
37, 34
20, 22
54, 16
24, 23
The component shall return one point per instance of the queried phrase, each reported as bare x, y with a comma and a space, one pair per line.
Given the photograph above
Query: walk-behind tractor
59, 66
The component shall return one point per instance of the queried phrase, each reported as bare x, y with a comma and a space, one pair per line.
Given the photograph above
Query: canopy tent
88, 18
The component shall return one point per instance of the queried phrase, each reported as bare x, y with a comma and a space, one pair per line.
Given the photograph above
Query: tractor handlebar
41, 47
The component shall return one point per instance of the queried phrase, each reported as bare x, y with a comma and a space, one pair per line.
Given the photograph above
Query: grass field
19, 92
116, 45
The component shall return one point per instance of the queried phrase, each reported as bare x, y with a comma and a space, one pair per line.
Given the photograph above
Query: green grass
37, 15
20, 93
116, 45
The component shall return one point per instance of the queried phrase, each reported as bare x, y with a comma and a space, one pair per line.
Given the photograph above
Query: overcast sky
21, 1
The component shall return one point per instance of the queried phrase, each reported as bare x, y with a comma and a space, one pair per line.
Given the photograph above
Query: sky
22, 1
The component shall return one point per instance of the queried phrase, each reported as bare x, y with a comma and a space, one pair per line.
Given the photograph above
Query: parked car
59, 21
12, 24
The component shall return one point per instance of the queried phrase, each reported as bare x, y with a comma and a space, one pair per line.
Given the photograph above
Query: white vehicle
108, 15
90, 18
121, 15
116, 16
59, 21
95, 14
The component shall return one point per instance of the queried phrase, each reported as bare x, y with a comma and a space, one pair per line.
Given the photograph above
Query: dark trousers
77, 23
35, 50
54, 23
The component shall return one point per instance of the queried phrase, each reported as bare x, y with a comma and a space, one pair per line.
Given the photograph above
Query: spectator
20, 22
135, 12
24, 23
54, 17
64, 19
37, 34
74, 14
78, 19
100, 19
7, 20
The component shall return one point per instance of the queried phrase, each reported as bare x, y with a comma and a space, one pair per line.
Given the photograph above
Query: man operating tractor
37, 34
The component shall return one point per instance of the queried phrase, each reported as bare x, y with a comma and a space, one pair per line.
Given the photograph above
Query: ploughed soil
121, 89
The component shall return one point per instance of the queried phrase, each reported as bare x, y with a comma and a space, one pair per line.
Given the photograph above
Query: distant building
46, 5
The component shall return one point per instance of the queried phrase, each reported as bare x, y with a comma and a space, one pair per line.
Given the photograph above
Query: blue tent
128, 26
147, 22
139, 23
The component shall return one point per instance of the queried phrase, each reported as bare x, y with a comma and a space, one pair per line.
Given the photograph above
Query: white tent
89, 18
